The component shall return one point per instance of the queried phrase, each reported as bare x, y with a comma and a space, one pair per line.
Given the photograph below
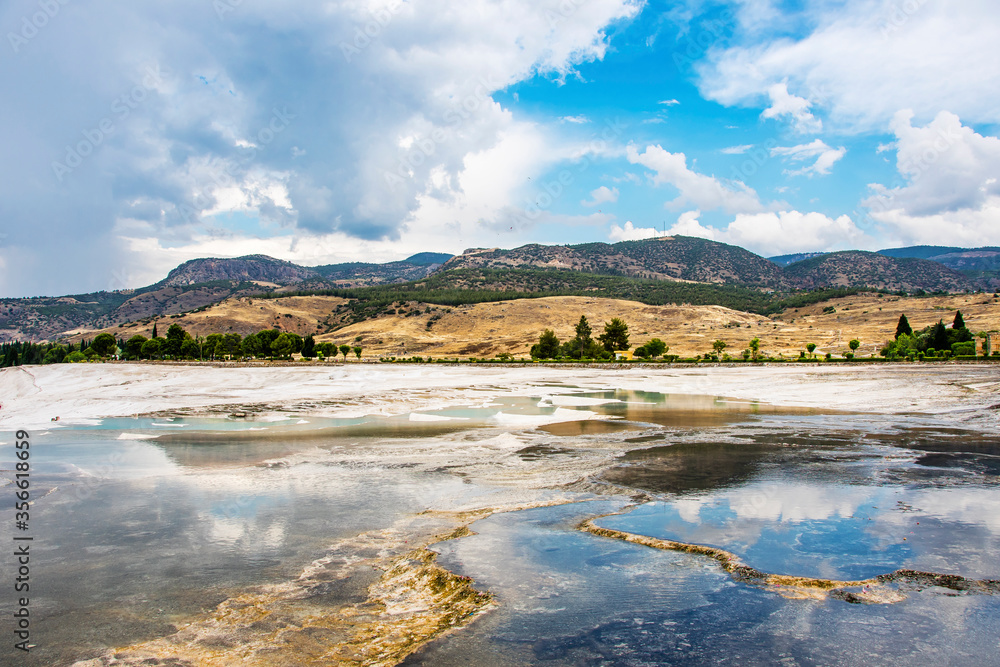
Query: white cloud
737, 150
578, 120
705, 192
865, 59
948, 190
782, 232
825, 156
201, 140
796, 109
631, 233
688, 225
669, 103
767, 234
602, 195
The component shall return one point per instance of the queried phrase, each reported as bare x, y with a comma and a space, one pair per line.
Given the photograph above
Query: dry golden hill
488, 329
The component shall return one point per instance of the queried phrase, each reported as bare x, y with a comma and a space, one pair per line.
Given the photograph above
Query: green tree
154, 334
718, 346
282, 346
253, 346
939, 337
655, 348
344, 349
175, 338
615, 336
232, 344
583, 331
812, 349
903, 327
55, 356
190, 348
133, 346
104, 345
309, 347
152, 348
214, 346
547, 346
75, 357
267, 337
854, 345
755, 349
959, 321
357, 351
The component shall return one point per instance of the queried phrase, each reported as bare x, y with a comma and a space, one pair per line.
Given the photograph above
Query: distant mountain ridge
665, 258
871, 269
248, 268
198, 283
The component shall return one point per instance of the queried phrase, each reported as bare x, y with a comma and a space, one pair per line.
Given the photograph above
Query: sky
135, 135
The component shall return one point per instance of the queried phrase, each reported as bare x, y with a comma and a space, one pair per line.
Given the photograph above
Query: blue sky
138, 136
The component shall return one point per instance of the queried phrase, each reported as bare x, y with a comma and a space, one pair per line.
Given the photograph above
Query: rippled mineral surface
566, 527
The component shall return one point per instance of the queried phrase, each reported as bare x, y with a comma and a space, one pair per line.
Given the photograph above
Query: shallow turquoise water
134, 537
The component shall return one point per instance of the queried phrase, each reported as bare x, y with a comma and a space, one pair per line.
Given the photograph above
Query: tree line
934, 341
177, 344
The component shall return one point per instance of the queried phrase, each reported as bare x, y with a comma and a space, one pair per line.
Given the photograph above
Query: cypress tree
903, 327
154, 330
939, 337
959, 321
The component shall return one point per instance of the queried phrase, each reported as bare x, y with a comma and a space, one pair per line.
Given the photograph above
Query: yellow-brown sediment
873, 591
413, 601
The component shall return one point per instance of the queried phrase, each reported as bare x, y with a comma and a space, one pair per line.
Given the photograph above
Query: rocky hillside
249, 268
869, 269
357, 274
725, 275
667, 258
194, 285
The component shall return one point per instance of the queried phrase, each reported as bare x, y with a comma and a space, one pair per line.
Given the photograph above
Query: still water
135, 535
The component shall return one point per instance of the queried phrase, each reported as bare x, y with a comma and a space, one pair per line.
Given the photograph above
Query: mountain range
200, 282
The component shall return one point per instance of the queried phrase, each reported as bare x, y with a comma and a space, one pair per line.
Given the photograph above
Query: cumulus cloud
947, 190
860, 61
602, 195
795, 109
631, 233
825, 157
689, 225
782, 232
767, 233
705, 192
334, 118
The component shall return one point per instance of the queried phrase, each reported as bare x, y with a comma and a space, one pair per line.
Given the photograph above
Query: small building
623, 355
